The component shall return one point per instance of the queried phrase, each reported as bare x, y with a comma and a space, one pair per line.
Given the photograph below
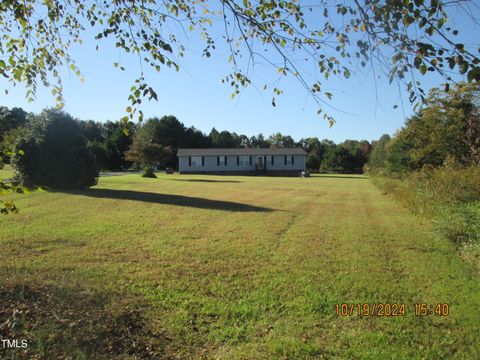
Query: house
273, 161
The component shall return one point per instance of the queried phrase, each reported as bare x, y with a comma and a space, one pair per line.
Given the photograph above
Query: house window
289, 160
243, 160
196, 161
222, 160
269, 159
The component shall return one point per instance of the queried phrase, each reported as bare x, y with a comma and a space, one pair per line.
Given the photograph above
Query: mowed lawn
190, 266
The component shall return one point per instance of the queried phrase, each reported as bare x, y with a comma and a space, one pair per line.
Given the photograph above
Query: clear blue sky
196, 96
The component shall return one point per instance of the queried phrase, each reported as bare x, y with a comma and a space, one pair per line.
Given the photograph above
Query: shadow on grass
207, 180
359, 177
61, 322
169, 199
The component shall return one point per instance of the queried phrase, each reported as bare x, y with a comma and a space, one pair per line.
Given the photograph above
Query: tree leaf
474, 74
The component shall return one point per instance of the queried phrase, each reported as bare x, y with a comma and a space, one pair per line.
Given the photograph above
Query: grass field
230, 268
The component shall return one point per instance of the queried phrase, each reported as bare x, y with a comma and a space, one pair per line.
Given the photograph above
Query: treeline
433, 164
107, 141
154, 143
159, 138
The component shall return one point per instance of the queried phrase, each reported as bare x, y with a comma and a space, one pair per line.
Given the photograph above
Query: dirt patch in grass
59, 323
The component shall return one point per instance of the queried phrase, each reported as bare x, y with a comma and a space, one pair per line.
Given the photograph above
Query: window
221, 160
269, 159
196, 161
289, 160
243, 160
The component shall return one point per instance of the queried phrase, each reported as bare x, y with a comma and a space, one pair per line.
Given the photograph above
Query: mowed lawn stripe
241, 267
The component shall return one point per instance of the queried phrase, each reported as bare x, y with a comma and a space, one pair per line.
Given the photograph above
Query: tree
244, 141
194, 138
153, 142
359, 151
10, 139
148, 155
11, 123
108, 143
225, 139
100, 154
259, 141
313, 162
117, 143
167, 131
448, 127
314, 150
11, 119
91, 130
339, 160
53, 153
399, 37
214, 137
378, 156
281, 141
398, 156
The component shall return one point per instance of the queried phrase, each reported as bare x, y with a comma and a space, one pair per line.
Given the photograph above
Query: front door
260, 162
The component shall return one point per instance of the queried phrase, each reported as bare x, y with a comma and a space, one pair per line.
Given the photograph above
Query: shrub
450, 196
460, 222
148, 172
53, 154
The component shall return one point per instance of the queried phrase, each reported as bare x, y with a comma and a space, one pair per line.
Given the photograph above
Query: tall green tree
311, 147
146, 150
53, 153
9, 141
448, 127
281, 141
360, 151
338, 160
91, 130
399, 159
167, 131
315, 150
378, 156
195, 138
11, 119
259, 141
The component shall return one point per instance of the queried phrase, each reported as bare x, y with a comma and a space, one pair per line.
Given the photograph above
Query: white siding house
273, 161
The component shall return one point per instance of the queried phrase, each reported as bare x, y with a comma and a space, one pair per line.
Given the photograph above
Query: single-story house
273, 161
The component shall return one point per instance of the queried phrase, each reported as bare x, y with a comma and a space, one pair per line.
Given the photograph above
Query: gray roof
241, 151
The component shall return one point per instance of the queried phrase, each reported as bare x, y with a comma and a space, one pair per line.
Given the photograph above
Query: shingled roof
241, 151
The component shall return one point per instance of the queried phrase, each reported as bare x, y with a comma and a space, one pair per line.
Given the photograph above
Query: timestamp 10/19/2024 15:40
390, 310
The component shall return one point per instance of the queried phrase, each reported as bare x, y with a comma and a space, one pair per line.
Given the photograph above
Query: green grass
190, 266
6, 172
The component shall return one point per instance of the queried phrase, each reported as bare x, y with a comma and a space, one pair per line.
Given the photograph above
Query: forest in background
155, 141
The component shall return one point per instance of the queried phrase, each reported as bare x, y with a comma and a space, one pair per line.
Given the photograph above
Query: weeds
449, 196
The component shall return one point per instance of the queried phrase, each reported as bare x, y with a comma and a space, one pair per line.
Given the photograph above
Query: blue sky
196, 96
